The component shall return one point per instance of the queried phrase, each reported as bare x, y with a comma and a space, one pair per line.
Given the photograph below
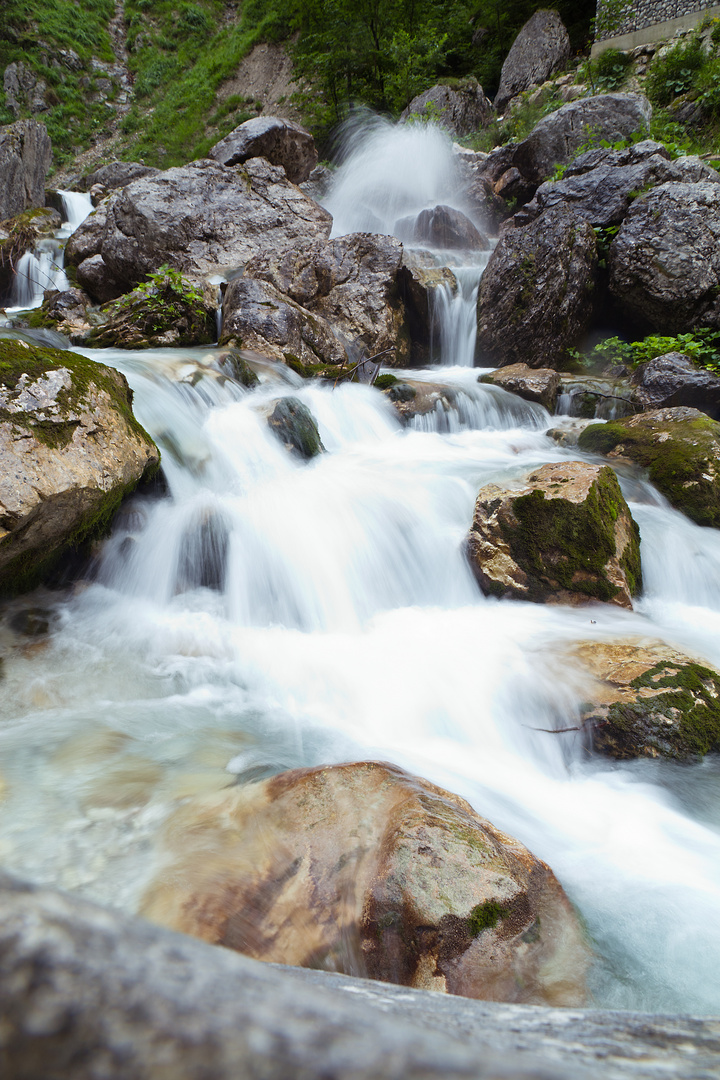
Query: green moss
384, 382
555, 540
681, 466
486, 916
315, 371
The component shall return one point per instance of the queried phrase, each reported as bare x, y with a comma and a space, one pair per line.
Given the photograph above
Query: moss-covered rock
168, 310
296, 427
648, 700
564, 536
70, 450
679, 447
234, 364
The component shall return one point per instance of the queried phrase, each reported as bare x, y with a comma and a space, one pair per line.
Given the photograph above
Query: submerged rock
648, 700
564, 535
665, 261
679, 447
70, 450
535, 297
541, 47
281, 141
364, 869
296, 428
461, 109
532, 384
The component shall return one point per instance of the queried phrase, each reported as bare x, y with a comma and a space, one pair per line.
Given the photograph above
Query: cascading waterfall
266, 614
43, 268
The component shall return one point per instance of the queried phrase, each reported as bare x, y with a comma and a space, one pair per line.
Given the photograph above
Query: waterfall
266, 613
453, 327
43, 268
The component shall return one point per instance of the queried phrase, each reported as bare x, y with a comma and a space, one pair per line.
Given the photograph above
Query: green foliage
518, 124
673, 72
609, 70
702, 346
486, 916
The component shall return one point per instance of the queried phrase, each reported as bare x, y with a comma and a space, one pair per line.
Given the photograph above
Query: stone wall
615, 18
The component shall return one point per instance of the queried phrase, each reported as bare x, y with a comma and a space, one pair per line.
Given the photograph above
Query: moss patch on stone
568, 544
682, 723
485, 916
681, 457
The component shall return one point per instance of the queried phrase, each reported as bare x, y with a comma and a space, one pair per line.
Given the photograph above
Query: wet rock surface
425, 893
444, 228
282, 142
648, 700
25, 157
70, 449
532, 384
564, 535
541, 47
672, 379
535, 297
665, 261
461, 109
680, 448
296, 428
85, 991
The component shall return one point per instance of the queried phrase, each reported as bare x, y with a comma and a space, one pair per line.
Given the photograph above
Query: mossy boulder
70, 450
565, 535
364, 869
648, 700
296, 428
679, 447
168, 309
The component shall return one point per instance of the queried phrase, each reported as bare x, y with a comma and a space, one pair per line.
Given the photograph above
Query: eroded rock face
363, 869
541, 47
460, 110
25, 157
533, 384
648, 700
680, 448
672, 379
352, 282
535, 297
70, 449
665, 261
258, 317
564, 536
280, 141
202, 219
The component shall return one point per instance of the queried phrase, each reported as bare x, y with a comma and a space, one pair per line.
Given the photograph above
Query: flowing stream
43, 268
266, 614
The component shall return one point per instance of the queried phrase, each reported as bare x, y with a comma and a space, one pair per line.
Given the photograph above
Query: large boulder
672, 379
604, 194
535, 297
280, 141
70, 449
202, 219
541, 47
258, 317
354, 283
116, 174
558, 136
93, 275
461, 109
441, 227
648, 700
564, 535
532, 384
680, 448
25, 157
665, 261
364, 869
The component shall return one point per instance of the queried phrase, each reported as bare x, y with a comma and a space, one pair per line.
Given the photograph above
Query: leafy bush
702, 346
610, 69
672, 73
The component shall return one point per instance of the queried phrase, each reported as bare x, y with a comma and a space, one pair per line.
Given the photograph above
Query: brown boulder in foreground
363, 869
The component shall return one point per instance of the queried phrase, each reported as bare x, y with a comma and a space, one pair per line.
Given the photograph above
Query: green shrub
610, 69
673, 72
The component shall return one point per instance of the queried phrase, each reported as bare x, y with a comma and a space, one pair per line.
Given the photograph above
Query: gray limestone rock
116, 175
541, 47
282, 142
673, 379
25, 156
461, 110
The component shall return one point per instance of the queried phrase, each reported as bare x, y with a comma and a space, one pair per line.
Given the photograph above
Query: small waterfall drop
43, 268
